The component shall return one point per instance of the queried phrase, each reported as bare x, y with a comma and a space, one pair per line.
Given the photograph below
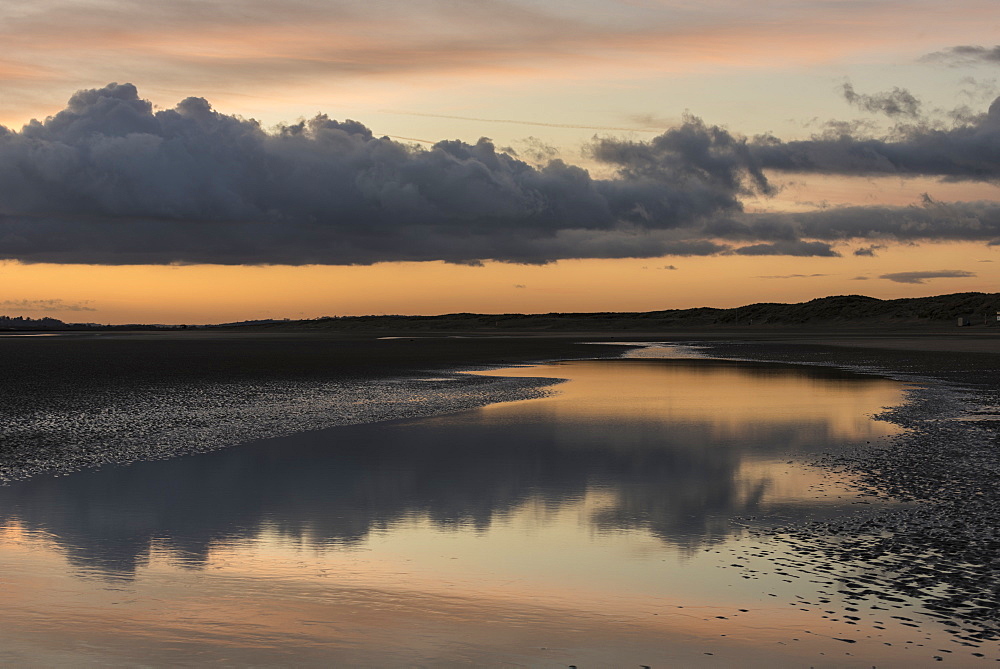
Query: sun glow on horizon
544, 85
204, 294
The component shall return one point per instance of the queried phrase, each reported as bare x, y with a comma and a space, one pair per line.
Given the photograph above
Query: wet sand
964, 343
943, 550
932, 565
74, 401
607, 524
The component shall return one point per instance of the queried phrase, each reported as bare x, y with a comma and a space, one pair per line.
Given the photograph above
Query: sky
198, 162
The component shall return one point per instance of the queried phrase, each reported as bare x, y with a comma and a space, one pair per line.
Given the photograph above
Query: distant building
986, 319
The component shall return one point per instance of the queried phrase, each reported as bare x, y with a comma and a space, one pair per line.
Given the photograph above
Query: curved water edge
160, 423
625, 507
937, 553
111, 424
77, 402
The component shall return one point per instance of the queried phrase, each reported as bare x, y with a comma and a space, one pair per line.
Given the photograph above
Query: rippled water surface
605, 525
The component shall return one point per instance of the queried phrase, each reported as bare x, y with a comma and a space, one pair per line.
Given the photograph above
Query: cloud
252, 52
965, 54
45, 305
897, 102
693, 151
964, 152
535, 150
309, 44
859, 278
110, 180
929, 220
790, 276
652, 122
922, 277
869, 251
789, 248
978, 90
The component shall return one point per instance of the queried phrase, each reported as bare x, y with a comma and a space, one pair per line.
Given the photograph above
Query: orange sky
454, 70
215, 293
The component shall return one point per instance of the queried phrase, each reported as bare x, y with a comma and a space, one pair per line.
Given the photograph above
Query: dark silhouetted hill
845, 310
23, 323
45, 324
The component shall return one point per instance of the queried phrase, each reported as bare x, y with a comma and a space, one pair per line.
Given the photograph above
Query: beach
707, 498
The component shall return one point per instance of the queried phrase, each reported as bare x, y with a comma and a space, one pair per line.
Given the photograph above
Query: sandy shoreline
74, 402
68, 396
943, 550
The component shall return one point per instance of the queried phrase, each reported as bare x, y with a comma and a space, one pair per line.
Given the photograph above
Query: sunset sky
194, 162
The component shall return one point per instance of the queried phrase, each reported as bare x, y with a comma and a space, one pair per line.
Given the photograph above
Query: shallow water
605, 525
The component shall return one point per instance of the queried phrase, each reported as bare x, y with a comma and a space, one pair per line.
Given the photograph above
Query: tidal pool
608, 524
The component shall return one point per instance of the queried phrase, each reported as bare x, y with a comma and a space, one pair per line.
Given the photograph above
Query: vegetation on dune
853, 310
18, 323
841, 309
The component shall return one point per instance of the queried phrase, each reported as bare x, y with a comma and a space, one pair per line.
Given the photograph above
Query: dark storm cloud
868, 251
801, 233
922, 277
965, 152
795, 248
966, 54
929, 221
109, 180
715, 162
897, 102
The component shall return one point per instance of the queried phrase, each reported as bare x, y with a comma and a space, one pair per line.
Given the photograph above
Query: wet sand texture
932, 563
944, 549
81, 401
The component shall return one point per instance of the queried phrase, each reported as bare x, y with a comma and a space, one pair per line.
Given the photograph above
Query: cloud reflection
666, 466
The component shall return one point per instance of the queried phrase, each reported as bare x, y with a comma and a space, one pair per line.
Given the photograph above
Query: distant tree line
46, 323
23, 323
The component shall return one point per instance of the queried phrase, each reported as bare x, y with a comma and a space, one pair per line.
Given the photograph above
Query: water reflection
672, 448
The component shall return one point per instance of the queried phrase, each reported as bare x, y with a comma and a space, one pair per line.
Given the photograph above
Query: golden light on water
730, 398
625, 558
